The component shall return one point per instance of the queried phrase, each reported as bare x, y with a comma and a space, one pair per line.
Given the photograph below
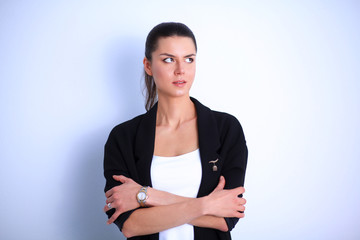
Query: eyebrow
170, 55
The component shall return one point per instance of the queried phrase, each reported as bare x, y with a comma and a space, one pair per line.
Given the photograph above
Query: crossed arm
166, 210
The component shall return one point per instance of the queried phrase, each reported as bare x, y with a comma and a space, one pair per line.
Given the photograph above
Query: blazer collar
209, 142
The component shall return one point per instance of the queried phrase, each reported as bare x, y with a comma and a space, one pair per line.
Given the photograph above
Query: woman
167, 170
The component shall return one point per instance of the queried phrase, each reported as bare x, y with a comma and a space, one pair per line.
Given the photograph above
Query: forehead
175, 44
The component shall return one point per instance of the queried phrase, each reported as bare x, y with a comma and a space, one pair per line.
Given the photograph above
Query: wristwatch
142, 196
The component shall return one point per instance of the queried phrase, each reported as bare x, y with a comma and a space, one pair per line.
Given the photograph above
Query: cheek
161, 72
192, 72
159, 76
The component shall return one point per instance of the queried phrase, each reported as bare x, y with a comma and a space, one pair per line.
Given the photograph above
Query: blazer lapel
209, 144
144, 145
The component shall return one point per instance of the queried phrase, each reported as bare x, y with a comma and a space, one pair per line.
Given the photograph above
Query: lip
179, 83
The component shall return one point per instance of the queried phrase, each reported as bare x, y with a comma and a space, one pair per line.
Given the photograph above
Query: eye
189, 60
168, 60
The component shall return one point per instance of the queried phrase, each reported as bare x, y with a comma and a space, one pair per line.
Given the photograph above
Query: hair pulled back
167, 29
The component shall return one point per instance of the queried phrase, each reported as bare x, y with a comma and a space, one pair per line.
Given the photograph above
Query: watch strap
142, 202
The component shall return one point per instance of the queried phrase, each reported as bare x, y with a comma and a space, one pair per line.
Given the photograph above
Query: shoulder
225, 122
129, 124
221, 118
225, 119
126, 129
228, 125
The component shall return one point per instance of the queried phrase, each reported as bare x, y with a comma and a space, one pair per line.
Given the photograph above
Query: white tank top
180, 175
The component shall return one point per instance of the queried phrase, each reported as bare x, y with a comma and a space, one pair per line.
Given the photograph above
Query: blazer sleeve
114, 164
235, 153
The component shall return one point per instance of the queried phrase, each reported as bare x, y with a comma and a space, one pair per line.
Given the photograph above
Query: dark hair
167, 29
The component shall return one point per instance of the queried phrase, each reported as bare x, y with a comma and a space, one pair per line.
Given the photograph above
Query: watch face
142, 196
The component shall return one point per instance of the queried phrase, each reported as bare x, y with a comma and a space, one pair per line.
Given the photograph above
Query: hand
225, 203
220, 185
123, 197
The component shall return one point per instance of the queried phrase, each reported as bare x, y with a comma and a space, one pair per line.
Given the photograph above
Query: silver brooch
214, 166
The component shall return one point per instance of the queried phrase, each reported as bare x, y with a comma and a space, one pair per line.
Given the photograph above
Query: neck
175, 111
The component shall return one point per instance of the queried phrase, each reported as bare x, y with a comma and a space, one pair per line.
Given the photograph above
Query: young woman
177, 171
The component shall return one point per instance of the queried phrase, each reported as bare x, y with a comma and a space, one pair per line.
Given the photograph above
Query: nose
179, 68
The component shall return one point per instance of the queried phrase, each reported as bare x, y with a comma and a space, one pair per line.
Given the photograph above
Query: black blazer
130, 147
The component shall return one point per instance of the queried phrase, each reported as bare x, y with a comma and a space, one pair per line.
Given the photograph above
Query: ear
147, 66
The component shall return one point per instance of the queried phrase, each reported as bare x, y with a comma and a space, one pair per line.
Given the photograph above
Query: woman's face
173, 66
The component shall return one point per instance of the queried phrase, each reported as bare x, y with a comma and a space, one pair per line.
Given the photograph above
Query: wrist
142, 196
204, 205
151, 201
162, 198
158, 198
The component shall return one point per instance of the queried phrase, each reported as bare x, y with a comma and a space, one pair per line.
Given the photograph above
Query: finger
106, 208
113, 217
241, 208
240, 215
121, 178
109, 193
239, 190
221, 184
242, 201
110, 199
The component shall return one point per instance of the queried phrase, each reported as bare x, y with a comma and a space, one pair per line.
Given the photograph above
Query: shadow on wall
86, 219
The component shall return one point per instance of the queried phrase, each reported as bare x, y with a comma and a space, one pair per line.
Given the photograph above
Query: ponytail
151, 93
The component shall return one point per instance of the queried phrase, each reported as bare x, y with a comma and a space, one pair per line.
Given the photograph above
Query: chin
181, 93
175, 94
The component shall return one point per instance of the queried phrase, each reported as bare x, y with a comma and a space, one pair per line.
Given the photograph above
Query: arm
122, 198
159, 198
223, 203
235, 155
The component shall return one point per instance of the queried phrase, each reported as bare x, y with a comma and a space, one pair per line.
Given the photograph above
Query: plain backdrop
288, 70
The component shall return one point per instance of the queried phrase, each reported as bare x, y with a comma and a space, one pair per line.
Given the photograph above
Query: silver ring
109, 205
